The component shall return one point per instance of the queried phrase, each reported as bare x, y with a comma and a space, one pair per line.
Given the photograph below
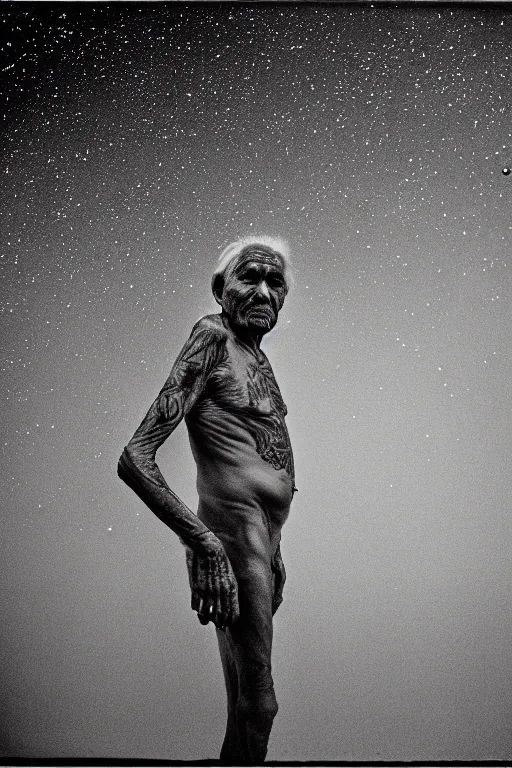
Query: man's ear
218, 287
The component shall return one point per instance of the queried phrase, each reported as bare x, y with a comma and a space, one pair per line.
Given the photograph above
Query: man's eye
249, 277
275, 282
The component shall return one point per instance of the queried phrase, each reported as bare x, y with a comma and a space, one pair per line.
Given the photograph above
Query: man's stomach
233, 476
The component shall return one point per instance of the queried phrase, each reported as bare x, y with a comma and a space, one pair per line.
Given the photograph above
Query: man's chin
261, 321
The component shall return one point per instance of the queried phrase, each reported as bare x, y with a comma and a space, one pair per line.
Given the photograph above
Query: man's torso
238, 435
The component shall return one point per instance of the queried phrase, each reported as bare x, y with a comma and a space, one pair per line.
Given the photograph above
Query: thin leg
246, 658
230, 748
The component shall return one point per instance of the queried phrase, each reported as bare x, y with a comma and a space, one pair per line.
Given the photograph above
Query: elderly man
224, 387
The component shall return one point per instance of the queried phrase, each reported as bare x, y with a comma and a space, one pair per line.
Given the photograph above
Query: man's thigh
250, 639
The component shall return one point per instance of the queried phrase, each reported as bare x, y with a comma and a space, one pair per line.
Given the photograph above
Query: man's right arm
137, 465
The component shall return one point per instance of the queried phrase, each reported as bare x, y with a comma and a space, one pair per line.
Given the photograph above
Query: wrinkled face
254, 291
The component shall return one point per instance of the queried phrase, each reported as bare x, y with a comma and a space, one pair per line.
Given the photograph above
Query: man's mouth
260, 309
260, 312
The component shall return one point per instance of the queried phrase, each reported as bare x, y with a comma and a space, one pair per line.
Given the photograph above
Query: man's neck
250, 336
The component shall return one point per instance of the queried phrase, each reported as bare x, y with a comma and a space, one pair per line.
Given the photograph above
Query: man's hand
278, 580
214, 588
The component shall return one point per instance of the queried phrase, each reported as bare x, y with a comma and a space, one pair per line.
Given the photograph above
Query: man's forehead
259, 257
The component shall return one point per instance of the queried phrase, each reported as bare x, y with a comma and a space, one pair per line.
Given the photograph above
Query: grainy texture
224, 387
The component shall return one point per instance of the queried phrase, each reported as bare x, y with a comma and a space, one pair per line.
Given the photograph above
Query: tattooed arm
137, 465
214, 596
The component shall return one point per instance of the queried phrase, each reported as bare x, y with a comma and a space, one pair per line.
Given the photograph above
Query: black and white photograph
256, 283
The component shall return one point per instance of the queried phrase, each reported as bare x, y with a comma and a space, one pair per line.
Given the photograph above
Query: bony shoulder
212, 324
208, 336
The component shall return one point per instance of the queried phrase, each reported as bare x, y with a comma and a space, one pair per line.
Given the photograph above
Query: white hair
234, 251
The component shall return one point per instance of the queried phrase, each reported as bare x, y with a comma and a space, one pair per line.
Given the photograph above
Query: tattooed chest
250, 388
252, 391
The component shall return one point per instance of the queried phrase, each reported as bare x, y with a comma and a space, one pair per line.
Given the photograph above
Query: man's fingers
215, 598
197, 602
197, 581
218, 602
204, 613
214, 590
231, 591
233, 600
220, 619
190, 568
206, 610
235, 611
195, 570
222, 608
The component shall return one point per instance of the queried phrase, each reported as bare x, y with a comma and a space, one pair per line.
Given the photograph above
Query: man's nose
263, 290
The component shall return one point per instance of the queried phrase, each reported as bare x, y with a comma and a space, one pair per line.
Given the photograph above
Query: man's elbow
125, 466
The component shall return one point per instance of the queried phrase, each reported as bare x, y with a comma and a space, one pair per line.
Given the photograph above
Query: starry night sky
138, 140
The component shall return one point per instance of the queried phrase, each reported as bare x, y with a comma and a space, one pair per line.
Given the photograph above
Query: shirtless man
224, 387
